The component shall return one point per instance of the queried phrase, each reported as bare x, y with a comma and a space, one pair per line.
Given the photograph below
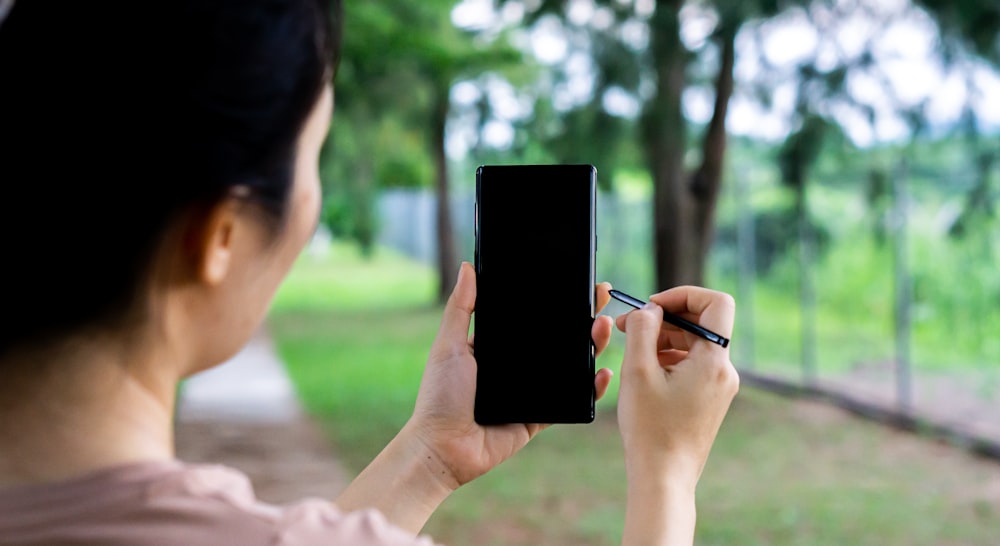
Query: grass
341, 278
953, 314
355, 334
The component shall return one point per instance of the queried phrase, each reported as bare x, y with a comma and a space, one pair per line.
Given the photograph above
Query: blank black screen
535, 244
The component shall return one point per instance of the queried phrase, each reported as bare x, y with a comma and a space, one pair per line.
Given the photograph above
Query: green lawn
355, 334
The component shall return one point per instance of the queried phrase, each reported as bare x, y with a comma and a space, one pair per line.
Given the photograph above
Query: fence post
611, 237
747, 268
901, 283
807, 290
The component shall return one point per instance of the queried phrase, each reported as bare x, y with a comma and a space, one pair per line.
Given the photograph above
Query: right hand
676, 387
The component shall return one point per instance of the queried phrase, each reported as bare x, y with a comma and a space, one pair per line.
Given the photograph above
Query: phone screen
535, 277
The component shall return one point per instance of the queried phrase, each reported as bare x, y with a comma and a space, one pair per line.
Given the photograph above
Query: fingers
601, 381
603, 293
671, 357
713, 309
453, 335
670, 335
643, 328
601, 333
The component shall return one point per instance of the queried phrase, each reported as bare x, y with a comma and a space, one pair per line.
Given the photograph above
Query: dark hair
117, 116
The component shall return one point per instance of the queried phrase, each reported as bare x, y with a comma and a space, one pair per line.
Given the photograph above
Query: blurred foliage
981, 200
973, 24
402, 60
801, 151
399, 59
776, 234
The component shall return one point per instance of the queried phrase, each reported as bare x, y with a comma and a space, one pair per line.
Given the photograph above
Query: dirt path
244, 414
285, 461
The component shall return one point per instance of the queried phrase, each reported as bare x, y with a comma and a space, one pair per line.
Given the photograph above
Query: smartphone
535, 241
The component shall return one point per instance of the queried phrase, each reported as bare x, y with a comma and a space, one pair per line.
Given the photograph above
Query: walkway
244, 414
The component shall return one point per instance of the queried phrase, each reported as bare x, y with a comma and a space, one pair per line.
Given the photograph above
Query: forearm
402, 482
660, 511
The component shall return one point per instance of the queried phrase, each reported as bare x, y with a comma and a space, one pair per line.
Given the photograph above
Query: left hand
443, 417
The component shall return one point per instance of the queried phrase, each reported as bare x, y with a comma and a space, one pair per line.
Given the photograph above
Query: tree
401, 60
370, 102
656, 75
968, 24
404, 58
684, 196
444, 55
972, 25
960, 39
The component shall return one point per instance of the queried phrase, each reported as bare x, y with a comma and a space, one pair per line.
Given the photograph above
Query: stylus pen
673, 319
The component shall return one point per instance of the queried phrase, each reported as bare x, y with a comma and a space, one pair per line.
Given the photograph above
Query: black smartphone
535, 232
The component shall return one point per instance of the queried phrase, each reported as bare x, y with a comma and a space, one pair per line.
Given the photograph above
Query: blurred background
834, 164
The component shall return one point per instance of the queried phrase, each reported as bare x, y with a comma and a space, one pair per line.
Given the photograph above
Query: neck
83, 407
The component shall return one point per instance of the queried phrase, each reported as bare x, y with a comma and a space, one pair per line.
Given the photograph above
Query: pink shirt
179, 504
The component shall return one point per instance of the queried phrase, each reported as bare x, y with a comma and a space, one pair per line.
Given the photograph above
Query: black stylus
673, 319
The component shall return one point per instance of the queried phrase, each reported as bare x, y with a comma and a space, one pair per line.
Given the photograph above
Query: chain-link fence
885, 293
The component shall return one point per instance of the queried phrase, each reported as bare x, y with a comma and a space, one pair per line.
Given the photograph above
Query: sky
906, 70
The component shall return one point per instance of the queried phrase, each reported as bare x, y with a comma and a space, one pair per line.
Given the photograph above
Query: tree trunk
447, 259
683, 207
664, 133
707, 180
363, 197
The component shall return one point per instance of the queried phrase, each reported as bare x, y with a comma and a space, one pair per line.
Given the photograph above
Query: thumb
642, 334
453, 335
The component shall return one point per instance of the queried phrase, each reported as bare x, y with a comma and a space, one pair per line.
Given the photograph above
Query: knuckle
725, 374
633, 368
641, 318
727, 300
734, 380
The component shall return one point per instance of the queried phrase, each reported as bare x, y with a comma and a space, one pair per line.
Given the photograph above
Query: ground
290, 459
244, 415
285, 461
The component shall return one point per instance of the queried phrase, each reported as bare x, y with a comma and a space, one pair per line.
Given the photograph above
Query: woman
160, 178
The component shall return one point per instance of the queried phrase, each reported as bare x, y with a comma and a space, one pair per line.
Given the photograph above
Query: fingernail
650, 306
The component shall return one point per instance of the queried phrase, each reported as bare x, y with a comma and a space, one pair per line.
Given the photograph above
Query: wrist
660, 470
428, 466
666, 485
422, 477
404, 483
660, 510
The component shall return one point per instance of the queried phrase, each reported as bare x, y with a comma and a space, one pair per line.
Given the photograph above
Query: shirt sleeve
314, 522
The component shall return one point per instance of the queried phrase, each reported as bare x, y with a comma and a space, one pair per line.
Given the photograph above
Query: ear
213, 242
